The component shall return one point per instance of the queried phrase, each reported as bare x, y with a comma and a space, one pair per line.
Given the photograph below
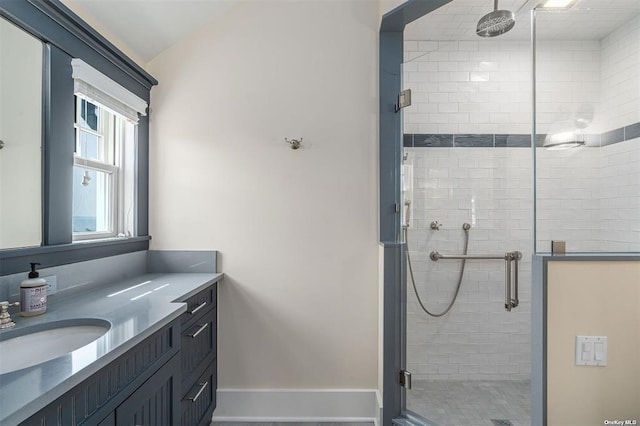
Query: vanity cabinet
169, 379
149, 365
199, 375
155, 402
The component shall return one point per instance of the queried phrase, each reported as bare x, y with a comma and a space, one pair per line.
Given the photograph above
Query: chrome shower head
495, 23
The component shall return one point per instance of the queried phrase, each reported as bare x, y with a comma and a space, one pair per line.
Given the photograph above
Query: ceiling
586, 20
147, 27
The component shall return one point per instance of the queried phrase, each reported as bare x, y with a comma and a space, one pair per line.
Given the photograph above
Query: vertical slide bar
507, 282
516, 258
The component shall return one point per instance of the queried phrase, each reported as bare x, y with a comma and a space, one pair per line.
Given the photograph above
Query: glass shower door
467, 170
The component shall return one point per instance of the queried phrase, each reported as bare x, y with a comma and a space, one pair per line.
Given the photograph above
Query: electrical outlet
52, 284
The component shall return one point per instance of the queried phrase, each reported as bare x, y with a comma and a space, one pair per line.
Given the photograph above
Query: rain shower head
495, 23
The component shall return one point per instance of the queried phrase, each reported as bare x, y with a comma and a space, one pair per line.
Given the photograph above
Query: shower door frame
392, 246
391, 50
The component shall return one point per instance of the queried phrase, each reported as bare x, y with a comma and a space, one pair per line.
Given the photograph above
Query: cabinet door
156, 402
109, 421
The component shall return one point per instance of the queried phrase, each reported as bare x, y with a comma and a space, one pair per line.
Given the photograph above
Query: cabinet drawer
198, 345
200, 401
198, 305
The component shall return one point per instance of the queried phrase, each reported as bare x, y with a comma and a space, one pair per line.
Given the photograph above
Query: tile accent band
511, 140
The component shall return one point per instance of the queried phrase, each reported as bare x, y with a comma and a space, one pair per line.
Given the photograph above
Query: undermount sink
25, 347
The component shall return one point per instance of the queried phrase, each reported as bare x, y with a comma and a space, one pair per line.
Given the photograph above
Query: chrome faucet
5, 317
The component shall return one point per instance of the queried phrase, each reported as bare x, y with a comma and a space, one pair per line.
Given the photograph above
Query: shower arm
509, 257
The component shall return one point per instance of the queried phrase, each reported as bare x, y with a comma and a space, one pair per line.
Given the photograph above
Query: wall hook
295, 143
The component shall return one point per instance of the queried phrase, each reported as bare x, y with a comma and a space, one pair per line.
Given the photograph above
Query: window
102, 192
106, 117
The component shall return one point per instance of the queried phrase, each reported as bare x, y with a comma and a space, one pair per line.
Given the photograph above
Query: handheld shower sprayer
436, 226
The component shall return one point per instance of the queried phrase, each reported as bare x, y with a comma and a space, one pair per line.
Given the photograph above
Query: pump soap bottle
33, 294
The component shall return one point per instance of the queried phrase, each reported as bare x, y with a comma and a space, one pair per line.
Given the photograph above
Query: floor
290, 424
472, 403
454, 403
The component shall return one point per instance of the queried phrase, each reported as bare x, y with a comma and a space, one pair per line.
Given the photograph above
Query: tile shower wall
490, 188
619, 189
591, 200
589, 197
484, 86
619, 196
620, 71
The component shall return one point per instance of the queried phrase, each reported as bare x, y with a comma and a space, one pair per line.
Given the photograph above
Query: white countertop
135, 308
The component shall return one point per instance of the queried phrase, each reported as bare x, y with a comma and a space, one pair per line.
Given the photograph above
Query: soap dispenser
33, 294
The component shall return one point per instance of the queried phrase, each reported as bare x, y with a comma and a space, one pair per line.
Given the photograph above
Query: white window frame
126, 107
110, 129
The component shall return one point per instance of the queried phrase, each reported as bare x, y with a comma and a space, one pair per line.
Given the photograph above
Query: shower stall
485, 184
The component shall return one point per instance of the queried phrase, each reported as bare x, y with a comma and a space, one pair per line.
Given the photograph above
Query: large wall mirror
39, 43
21, 75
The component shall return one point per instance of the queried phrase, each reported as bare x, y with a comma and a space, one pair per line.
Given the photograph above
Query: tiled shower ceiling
588, 20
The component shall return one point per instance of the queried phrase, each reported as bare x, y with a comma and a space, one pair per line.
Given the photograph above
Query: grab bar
436, 255
508, 257
517, 256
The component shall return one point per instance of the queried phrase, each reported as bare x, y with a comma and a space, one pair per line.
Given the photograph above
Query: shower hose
466, 228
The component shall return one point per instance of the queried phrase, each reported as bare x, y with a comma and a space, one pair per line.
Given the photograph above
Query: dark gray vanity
154, 365
167, 379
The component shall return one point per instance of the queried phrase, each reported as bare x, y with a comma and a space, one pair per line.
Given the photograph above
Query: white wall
296, 230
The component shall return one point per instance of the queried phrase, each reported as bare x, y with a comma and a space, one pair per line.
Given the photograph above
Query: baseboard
378, 420
295, 405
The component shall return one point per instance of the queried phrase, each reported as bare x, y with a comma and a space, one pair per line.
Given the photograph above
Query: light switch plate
596, 353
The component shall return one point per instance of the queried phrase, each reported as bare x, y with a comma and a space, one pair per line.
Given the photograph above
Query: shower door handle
511, 302
516, 258
507, 282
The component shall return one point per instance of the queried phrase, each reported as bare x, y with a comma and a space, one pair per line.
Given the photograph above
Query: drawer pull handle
197, 395
200, 306
202, 327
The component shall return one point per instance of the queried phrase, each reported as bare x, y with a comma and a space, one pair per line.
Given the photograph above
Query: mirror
21, 76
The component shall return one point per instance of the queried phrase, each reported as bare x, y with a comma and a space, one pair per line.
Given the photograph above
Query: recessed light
558, 4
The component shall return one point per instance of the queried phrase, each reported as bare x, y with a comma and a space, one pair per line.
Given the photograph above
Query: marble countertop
135, 308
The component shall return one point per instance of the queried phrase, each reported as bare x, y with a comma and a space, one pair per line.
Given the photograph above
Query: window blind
96, 87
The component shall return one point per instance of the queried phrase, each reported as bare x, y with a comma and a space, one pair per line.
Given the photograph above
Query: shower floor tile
471, 403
